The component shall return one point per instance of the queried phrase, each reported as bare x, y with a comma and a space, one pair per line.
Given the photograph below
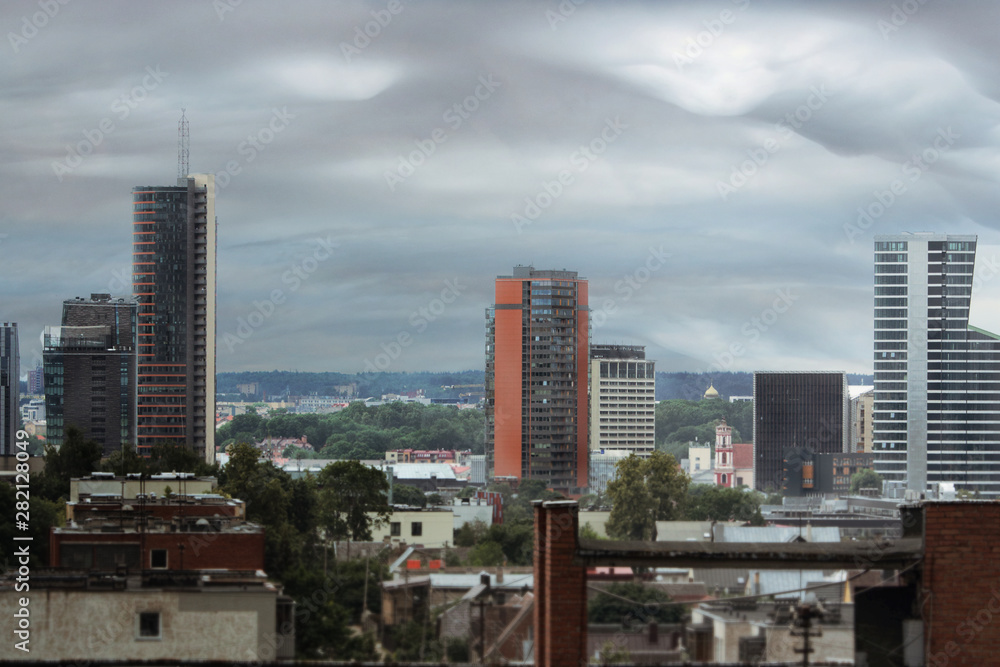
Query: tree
404, 494
643, 492
866, 479
642, 604
352, 499
707, 502
75, 458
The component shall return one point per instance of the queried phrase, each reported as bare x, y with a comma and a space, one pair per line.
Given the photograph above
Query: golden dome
711, 392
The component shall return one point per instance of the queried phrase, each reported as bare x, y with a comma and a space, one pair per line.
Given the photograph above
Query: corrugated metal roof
776, 534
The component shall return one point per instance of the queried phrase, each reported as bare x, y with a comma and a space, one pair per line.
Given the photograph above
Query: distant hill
275, 384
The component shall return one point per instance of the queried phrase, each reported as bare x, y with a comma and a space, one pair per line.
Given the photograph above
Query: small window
158, 559
416, 529
149, 625
394, 529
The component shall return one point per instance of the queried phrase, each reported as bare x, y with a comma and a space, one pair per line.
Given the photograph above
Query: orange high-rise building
537, 366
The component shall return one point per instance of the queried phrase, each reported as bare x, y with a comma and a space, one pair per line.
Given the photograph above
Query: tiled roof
743, 455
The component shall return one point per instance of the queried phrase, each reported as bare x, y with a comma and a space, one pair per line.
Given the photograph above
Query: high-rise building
36, 381
537, 362
622, 399
90, 372
796, 409
935, 414
174, 231
10, 388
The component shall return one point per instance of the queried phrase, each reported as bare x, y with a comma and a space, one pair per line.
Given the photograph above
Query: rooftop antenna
183, 150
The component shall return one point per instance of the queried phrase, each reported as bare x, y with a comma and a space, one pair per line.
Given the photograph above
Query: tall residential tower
174, 230
936, 414
537, 361
10, 388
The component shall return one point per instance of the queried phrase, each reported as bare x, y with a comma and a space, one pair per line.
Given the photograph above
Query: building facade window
148, 625
417, 529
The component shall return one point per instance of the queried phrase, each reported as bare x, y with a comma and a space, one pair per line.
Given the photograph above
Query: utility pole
805, 613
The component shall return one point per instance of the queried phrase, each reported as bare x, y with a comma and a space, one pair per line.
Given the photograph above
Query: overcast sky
378, 164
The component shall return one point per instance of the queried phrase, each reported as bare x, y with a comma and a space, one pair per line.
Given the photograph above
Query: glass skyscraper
936, 414
10, 388
174, 231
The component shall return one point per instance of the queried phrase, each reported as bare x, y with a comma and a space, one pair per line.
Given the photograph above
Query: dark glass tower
173, 282
10, 388
799, 409
90, 372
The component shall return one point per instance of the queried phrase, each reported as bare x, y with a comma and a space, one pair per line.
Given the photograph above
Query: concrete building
36, 381
862, 402
796, 409
174, 276
936, 389
537, 366
622, 402
434, 527
10, 388
90, 372
107, 485
699, 460
603, 468
224, 616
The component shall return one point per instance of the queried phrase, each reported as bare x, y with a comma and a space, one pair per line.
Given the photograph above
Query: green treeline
361, 432
680, 423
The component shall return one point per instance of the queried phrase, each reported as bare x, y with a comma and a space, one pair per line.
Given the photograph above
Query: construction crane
460, 386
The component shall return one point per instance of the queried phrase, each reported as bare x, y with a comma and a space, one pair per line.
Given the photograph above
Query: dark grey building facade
10, 388
791, 409
90, 372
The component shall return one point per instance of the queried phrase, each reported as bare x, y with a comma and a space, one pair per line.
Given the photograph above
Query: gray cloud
691, 118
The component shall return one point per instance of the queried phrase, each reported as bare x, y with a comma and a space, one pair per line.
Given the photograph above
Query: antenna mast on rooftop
183, 149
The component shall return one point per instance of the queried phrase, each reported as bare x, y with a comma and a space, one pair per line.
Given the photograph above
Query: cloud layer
430, 146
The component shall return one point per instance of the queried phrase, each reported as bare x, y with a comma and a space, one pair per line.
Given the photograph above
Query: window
158, 559
148, 625
417, 529
394, 529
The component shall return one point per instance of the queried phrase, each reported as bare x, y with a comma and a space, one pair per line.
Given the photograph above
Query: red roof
743, 456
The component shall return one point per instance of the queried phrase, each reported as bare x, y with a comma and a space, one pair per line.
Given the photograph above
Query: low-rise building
230, 616
433, 527
106, 484
751, 632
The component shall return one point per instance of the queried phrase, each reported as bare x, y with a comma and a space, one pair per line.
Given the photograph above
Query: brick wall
962, 575
560, 587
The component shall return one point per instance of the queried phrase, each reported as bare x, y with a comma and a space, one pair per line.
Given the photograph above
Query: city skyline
717, 171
